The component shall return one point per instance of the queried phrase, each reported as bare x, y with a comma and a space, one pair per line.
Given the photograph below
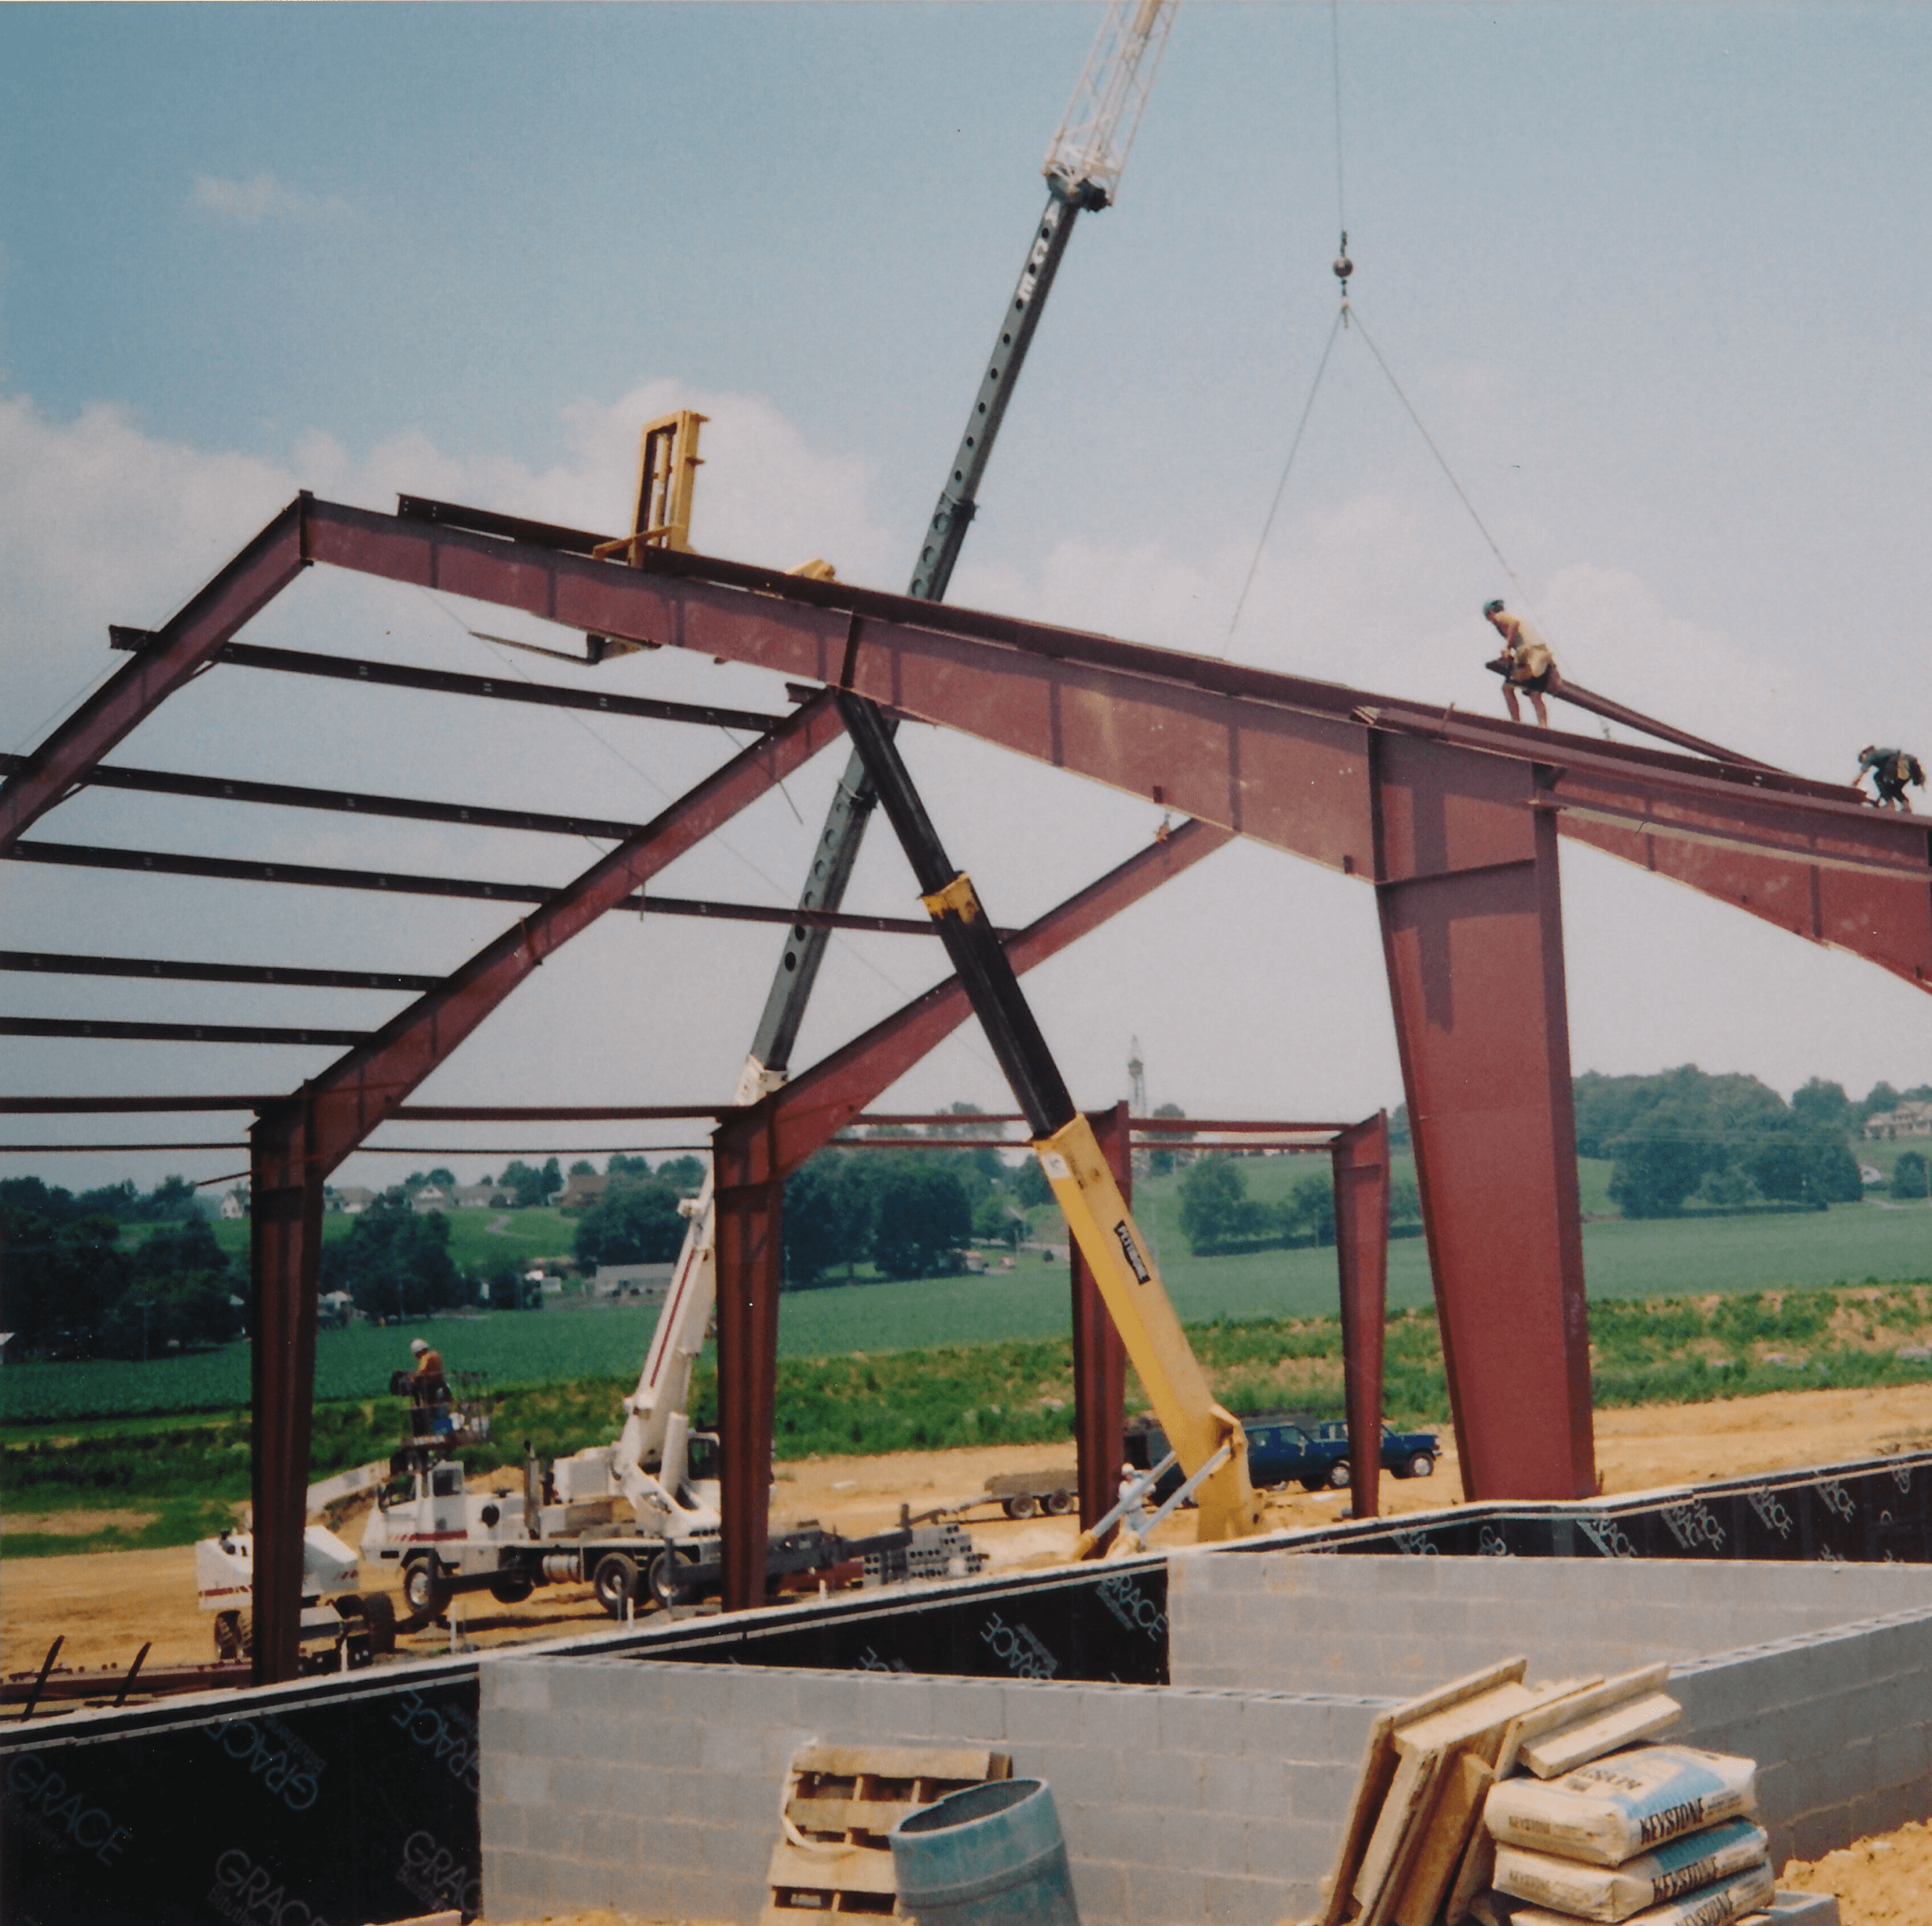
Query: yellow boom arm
1123, 1268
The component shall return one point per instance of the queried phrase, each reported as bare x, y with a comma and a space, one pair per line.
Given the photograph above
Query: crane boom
1083, 169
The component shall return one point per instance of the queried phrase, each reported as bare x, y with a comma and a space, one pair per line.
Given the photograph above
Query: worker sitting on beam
1890, 769
1525, 664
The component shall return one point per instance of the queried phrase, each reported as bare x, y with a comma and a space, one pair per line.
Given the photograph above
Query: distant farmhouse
1910, 1119
583, 1191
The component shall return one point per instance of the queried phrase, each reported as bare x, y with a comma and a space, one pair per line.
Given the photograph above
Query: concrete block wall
1839, 1722
654, 1787
1278, 1622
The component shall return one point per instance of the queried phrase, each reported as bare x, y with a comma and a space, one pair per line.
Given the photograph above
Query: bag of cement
1614, 1893
1613, 1808
1745, 1892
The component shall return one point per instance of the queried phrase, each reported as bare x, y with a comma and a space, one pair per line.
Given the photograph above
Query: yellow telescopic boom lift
1210, 1443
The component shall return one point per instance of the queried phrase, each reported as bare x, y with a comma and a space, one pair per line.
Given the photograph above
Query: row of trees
69, 1290
1218, 1215
1726, 1141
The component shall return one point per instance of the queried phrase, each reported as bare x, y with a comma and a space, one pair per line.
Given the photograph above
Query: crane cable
1343, 268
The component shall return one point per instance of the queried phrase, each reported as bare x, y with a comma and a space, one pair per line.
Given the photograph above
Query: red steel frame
1453, 819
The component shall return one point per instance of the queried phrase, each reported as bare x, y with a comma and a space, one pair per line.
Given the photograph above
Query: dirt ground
106, 1604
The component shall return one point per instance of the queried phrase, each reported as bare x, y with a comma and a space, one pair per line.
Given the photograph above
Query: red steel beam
748, 1193
1100, 1358
296, 1146
188, 641
1360, 1161
1472, 928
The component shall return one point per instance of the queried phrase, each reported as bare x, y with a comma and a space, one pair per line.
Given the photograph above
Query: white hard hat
418, 1345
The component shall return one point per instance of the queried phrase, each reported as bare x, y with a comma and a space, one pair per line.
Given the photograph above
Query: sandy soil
108, 1603
1884, 1881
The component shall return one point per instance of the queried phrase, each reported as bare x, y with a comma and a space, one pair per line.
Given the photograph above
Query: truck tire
1058, 1503
511, 1586
1422, 1466
1338, 1475
665, 1578
1022, 1505
234, 1636
378, 1614
614, 1581
423, 1589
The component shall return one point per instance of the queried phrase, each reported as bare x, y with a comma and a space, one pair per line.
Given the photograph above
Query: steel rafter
297, 1143
161, 970
181, 648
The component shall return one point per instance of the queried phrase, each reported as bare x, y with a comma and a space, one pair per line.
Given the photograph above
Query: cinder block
1200, 1721
611, 1839
505, 1828
1288, 1850
823, 1702
1124, 1718
586, 1685
1814, 1834
515, 1685
1102, 1891
666, 1845
1085, 1774
758, 1696
695, 1692
1246, 1787
965, 1710
730, 1748
1161, 1897
525, 1782
1230, 1899
1321, 1731
1804, 1909
1203, 1841
894, 1706
1110, 1835
512, 1884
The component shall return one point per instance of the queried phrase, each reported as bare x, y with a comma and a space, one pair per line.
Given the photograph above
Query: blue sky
1654, 277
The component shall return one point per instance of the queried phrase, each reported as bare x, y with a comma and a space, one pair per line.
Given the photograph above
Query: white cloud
248, 203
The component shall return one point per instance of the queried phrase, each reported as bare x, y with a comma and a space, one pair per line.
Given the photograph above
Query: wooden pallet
840, 1801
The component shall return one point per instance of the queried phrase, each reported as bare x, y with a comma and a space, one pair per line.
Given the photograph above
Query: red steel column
1472, 938
1099, 1360
285, 1245
749, 1197
1361, 1159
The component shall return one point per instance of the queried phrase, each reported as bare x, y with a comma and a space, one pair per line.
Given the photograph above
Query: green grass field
1849, 1244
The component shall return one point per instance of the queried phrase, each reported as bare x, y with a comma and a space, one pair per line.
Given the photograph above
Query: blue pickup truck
1287, 1450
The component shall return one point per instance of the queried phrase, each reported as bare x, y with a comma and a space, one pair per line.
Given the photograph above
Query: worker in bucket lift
429, 1389
1134, 1518
1890, 769
1525, 664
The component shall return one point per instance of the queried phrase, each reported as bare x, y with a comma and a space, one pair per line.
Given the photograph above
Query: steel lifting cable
1441, 459
1288, 468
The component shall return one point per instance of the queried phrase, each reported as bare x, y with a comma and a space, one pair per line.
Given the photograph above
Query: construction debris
1519, 1805
840, 1801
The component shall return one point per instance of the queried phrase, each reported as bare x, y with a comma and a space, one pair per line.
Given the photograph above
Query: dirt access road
108, 1603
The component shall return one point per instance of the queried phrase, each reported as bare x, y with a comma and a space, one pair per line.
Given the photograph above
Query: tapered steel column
1099, 1360
749, 1193
285, 1246
1472, 938
1360, 1157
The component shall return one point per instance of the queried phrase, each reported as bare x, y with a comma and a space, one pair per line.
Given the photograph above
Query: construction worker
1890, 769
1525, 664
1134, 1518
429, 1389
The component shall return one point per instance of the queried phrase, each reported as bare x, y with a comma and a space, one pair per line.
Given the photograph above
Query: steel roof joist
162, 969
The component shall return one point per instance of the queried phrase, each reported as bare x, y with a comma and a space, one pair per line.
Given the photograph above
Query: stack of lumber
840, 1801
1421, 1846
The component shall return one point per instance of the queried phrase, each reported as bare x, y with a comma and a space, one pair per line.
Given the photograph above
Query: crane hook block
1343, 267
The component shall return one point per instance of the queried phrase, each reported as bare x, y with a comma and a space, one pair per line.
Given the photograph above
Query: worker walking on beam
1525, 664
1890, 769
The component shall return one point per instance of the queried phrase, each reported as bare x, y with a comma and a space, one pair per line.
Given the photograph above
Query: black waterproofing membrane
342, 1801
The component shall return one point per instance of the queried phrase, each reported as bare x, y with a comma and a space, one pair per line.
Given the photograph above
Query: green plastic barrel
991, 1855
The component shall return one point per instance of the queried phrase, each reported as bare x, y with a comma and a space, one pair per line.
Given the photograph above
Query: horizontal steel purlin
231, 869
157, 969
173, 1033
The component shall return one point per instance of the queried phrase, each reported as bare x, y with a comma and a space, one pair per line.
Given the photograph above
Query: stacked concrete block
654, 1787
1278, 1622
